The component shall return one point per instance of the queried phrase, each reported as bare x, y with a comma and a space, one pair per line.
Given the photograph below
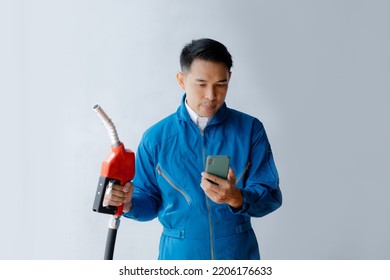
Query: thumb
127, 187
231, 176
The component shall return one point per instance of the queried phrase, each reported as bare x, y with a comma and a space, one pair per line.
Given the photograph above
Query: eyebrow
218, 82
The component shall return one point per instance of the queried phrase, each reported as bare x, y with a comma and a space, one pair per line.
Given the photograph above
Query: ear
230, 75
181, 80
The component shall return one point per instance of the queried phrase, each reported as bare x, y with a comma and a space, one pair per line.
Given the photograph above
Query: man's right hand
118, 195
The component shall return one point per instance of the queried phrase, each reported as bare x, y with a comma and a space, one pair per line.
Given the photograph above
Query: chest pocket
240, 178
172, 184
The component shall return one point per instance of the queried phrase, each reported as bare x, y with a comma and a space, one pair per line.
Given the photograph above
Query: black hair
205, 49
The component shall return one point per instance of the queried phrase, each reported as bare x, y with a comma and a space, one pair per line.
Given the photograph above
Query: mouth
209, 107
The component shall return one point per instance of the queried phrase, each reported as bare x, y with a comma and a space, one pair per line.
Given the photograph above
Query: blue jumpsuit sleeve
146, 199
261, 192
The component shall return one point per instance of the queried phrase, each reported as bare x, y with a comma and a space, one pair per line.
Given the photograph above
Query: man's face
206, 84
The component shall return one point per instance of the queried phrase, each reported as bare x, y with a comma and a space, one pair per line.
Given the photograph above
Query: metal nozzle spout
108, 124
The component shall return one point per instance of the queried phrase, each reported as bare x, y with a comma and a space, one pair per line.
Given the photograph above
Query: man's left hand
223, 191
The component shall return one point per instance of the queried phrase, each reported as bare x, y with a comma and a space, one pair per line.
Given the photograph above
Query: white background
316, 73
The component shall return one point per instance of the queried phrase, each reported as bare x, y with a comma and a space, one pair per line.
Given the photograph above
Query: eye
202, 85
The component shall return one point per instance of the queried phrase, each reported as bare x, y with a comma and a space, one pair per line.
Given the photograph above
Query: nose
210, 93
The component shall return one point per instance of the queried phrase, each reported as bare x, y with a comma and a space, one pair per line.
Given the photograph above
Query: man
202, 219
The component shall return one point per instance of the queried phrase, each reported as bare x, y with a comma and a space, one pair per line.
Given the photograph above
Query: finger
111, 186
208, 183
112, 199
109, 202
212, 190
217, 180
118, 187
118, 190
128, 187
116, 198
116, 195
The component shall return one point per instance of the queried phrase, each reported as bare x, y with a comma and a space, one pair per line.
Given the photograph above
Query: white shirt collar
198, 120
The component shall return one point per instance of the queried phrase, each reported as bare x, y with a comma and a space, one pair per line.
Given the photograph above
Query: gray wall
315, 72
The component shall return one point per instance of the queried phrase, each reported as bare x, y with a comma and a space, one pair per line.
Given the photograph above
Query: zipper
208, 199
243, 173
166, 177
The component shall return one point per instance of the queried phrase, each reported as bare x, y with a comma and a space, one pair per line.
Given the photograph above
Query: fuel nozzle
117, 168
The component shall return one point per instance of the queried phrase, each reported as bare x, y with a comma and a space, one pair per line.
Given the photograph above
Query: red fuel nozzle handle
118, 166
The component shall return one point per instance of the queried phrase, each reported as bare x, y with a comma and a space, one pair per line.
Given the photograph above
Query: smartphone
218, 165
